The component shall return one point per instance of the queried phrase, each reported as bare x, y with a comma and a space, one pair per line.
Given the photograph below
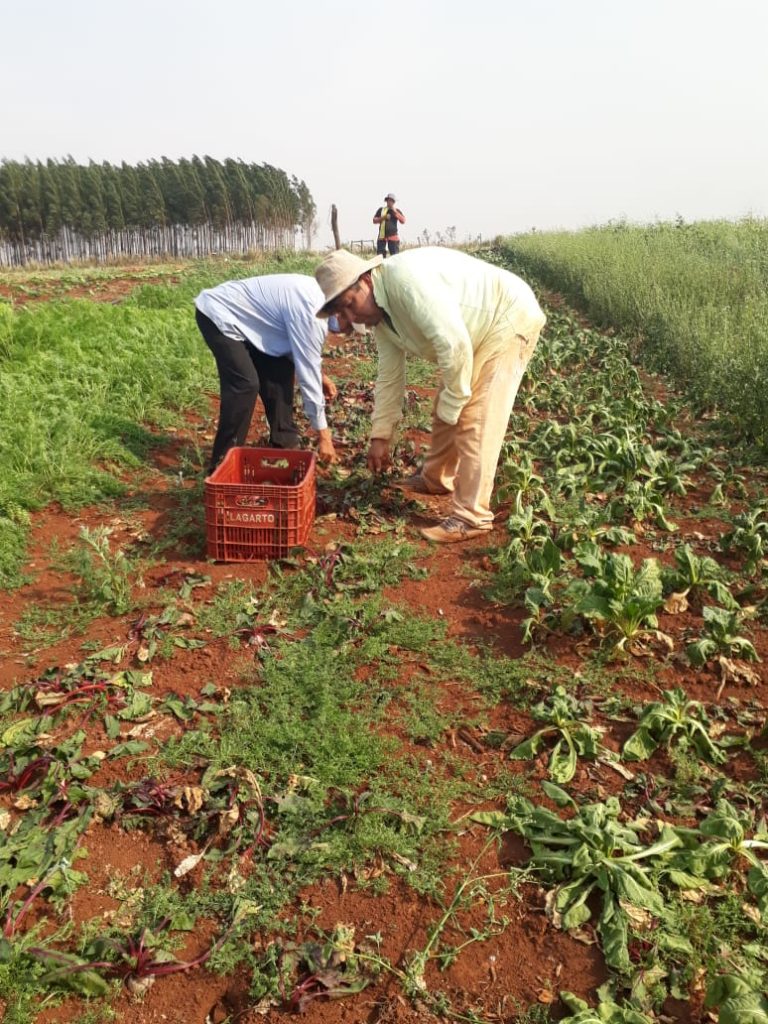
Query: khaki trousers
463, 458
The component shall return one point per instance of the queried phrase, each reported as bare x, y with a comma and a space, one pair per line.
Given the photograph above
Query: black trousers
244, 374
382, 244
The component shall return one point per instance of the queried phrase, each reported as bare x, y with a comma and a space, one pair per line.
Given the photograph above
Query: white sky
493, 116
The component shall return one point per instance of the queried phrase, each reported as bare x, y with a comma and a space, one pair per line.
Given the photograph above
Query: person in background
388, 217
264, 335
480, 325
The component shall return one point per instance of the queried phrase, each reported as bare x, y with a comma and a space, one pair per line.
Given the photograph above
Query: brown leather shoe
418, 485
452, 531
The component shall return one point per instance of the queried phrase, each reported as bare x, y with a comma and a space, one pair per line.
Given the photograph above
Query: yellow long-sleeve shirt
443, 306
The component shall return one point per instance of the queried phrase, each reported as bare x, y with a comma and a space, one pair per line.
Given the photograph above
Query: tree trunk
335, 226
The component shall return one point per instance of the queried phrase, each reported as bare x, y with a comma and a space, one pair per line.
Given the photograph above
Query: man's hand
326, 453
378, 455
329, 388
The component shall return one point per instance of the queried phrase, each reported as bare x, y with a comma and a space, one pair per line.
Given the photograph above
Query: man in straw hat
480, 324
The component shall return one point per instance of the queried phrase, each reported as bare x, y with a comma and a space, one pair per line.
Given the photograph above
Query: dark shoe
418, 485
453, 531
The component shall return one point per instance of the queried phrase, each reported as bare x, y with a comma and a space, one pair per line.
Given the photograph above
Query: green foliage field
697, 294
86, 387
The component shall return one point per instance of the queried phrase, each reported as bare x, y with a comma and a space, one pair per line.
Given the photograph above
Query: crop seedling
750, 536
621, 599
517, 478
592, 852
525, 527
106, 576
565, 722
606, 1012
725, 847
623, 457
589, 524
137, 960
693, 575
642, 502
151, 634
674, 719
328, 969
722, 637
537, 572
740, 998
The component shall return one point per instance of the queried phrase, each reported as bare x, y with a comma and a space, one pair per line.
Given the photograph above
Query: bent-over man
479, 324
264, 334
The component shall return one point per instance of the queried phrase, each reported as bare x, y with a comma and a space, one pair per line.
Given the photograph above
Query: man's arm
377, 217
389, 390
400, 215
306, 335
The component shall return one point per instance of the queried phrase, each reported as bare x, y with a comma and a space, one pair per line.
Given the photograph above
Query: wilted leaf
188, 864
641, 920
550, 908
190, 797
676, 603
46, 699
24, 803
617, 766
737, 671
409, 864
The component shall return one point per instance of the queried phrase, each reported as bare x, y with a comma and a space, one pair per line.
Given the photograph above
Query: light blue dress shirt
276, 313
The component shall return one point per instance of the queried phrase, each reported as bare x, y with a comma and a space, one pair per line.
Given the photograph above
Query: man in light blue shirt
264, 334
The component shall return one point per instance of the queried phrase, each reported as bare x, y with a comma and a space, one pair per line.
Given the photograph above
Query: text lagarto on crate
259, 503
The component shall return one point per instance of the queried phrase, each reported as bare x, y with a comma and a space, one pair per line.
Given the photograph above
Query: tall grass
696, 294
87, 388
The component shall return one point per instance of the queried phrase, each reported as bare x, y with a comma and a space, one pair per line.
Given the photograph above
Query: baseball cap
391, 195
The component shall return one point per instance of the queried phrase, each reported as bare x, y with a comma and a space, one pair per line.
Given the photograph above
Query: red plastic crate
259, 503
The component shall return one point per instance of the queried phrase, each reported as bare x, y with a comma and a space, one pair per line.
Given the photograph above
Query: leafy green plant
606, 1012
534, 572
726, 846
641, 501
106, 577
329, 968
739, 998
674, 719
136, 959
722, 637
621, 599
693, 574
592, 852
750, 536
565, 722
525, 527
517, 477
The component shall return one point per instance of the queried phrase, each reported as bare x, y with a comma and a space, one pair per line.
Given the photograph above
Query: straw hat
339, 271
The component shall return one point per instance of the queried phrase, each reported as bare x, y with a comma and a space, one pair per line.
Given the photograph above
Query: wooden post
335, 225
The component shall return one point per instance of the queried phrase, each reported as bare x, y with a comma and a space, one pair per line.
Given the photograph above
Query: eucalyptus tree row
62, 210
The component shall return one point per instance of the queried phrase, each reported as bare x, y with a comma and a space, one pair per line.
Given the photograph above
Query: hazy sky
492, 116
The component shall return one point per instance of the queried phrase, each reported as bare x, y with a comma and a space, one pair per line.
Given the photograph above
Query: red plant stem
11, 923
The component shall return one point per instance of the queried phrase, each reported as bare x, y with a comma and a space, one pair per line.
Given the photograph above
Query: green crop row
695, 294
